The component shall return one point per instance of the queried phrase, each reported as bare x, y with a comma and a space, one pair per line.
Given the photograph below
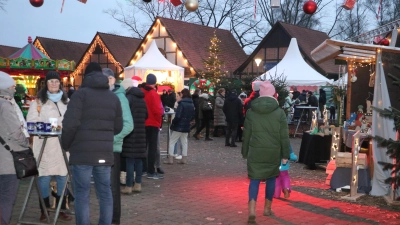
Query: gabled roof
193, 40
60, 49
121, 47
6, 51
307, 40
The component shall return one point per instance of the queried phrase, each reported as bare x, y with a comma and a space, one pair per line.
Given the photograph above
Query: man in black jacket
233, 110
93, 117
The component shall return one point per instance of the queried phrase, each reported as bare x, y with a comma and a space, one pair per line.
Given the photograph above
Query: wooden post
348, 102
354, 169
336, 141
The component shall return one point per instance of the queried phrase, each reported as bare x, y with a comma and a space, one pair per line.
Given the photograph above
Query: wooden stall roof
194, 39
6, 51
345, 50
60, 49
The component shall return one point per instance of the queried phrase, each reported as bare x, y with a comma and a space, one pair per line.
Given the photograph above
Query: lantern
310, 7
147, 1
36, 3
275, 3
349, 4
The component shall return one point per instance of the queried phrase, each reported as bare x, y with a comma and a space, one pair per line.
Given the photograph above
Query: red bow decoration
176, 2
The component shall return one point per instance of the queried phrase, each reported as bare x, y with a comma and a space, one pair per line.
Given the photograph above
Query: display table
341, 177
34, 181
314, 149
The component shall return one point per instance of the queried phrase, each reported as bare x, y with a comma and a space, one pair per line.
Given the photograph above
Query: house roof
121, 47
6, 51
193, 40
307, 39
60, 49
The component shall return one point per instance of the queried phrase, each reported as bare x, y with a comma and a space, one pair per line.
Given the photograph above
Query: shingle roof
194, 40
121, 47
60, 49
6, 51
308, 40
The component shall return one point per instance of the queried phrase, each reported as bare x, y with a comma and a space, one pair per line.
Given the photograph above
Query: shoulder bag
24, 161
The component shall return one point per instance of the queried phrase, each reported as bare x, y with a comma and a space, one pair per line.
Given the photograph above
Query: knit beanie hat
6, 81
151, 79
93, 66
127, 83
256, 85
108, 72
52, 75
267, 89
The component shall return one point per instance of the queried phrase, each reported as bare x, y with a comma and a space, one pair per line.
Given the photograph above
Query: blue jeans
133, 164
8, 194
44, 185
81, 184
269, 188
176, 147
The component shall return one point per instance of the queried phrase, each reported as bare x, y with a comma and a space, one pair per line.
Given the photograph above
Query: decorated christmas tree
214, 67
393, 146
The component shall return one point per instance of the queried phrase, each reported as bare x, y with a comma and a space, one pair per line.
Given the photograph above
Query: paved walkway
212, 189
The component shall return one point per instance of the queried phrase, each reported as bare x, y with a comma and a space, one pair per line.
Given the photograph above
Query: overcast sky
78, 22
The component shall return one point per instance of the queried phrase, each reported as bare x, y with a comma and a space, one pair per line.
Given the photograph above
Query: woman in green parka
265, 145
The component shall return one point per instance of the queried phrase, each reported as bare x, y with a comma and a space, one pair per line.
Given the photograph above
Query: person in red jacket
152, 123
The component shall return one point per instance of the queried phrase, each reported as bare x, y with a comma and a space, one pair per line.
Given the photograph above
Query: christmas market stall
28, 66
154, 62
368, 85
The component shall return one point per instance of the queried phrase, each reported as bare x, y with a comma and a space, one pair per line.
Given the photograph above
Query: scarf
8, 97
55, 97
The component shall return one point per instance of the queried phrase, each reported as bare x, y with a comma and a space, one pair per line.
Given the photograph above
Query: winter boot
267, 208
47, 204
62, 215
127, 190
169, 160
252, 212
137, 188
183, 160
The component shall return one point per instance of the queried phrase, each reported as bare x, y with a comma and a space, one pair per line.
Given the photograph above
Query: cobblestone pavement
212, 189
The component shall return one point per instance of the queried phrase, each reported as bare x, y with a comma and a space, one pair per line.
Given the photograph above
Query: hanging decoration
310, 7
83, 1
353, 72
176, 2
379, 40
36, 3
379, 10
147, 1
255, 9
349, 4
202, 84
275, 3
192, 5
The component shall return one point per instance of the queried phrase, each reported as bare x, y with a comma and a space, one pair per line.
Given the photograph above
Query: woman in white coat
51, 102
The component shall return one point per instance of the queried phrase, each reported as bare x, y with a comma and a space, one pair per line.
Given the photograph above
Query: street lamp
258, 61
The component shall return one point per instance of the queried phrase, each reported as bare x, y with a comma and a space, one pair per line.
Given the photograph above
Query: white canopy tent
381, 126
295, 69
154, 62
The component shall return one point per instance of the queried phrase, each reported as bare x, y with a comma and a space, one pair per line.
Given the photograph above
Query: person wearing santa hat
266, 126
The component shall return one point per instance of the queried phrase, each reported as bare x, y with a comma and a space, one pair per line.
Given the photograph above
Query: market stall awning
345, 50
296, 71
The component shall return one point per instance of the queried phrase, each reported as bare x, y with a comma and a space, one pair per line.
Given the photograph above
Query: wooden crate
344, 159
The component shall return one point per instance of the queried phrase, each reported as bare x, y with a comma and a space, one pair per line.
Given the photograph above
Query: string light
97, 42
39, 46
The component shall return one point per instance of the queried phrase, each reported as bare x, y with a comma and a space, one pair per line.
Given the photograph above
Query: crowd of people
109, 127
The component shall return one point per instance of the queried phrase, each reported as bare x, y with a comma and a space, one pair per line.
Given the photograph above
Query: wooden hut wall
359, 90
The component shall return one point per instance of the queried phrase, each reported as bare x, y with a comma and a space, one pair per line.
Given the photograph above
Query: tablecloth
314, 149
